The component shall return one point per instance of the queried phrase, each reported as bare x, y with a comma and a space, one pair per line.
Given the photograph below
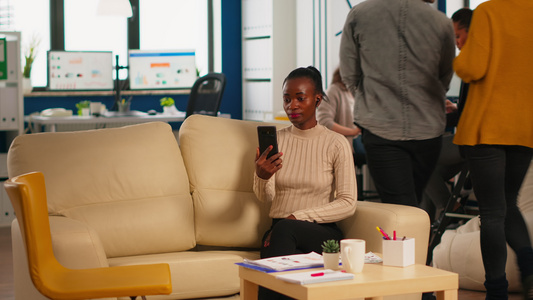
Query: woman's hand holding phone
266, 167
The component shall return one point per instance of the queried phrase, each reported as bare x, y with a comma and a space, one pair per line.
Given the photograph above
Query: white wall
318, 27
319, 23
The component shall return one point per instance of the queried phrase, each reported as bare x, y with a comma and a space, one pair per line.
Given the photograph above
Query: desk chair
28, 196
206, 95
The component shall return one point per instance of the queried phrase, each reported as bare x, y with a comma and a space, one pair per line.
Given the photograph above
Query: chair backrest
28, 196
206, 95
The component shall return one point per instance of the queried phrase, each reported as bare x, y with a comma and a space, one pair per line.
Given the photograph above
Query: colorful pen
383, 233
394, 235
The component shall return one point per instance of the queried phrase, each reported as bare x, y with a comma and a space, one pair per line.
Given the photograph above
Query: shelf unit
268, 55
11, 110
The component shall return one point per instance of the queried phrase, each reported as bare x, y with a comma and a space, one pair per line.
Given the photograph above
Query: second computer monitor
168, 69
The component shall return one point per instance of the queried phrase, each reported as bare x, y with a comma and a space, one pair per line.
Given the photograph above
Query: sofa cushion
200, 274
220, 167
129, 184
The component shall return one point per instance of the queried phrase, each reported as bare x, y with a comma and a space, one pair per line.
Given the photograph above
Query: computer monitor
80, 70
166, 69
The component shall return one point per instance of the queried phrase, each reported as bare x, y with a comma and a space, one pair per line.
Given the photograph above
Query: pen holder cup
399, 253
124, 106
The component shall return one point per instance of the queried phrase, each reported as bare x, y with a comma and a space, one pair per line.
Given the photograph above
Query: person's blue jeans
400, 169
497, 173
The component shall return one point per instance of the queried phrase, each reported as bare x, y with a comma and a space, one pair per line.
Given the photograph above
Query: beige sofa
460, 252
131, 195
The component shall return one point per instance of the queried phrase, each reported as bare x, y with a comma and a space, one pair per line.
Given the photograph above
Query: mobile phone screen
267, 136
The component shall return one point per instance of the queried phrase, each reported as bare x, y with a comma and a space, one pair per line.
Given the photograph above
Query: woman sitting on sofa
310, 182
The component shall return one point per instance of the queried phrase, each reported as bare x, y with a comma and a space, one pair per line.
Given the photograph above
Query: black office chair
455, 209
206, 95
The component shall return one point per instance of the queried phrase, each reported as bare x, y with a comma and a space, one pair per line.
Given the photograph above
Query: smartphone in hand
267, 136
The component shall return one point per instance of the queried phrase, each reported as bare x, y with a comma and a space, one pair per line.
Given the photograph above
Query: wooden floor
6, 273
6, 265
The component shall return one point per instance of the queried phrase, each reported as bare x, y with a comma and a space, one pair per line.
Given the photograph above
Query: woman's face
300, 101
460, 35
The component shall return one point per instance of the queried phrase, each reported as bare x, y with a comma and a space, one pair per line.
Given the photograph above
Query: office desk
39, 123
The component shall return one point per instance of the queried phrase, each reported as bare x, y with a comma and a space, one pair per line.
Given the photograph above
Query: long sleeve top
339, 109
317, 181
496, 61
396, 58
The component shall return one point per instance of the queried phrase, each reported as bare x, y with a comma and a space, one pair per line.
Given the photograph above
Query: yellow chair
28, 196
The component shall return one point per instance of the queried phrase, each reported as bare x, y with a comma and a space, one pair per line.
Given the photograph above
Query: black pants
287, 237
400, 169
497, 173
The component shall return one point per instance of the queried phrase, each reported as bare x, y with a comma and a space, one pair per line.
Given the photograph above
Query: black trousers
287, 237
497, 173
401, 169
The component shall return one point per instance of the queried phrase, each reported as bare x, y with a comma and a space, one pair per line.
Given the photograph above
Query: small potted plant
330, 254
83, 108
168, 105
30, 53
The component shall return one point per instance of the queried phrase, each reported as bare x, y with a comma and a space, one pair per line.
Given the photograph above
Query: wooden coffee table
374, 282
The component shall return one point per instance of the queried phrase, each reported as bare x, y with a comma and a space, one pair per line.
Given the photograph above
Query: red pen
394, 234
317, 274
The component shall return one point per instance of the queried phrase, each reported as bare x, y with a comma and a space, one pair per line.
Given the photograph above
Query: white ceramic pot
331, 260
26, 85
170, 110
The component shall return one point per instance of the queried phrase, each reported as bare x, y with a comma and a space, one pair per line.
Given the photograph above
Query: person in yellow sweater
495, 132
310, 182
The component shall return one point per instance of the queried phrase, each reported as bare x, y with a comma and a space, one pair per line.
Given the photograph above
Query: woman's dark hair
463, 18
311, 73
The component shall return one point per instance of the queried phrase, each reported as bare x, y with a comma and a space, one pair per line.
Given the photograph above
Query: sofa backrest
129, 184
219, 155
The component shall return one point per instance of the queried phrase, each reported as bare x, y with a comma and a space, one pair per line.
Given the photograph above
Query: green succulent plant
330, 246
167, 101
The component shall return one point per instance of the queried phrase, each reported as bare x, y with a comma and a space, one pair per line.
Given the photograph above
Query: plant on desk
168, 106
330, 254
30, 53
86, 104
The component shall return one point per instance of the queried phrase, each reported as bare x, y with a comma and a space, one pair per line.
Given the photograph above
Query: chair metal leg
445, 218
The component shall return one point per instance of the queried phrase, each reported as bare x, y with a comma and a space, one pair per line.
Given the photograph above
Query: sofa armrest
406, 220
76, 246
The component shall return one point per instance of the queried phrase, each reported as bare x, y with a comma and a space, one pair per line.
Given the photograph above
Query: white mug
96, 108
353, 255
